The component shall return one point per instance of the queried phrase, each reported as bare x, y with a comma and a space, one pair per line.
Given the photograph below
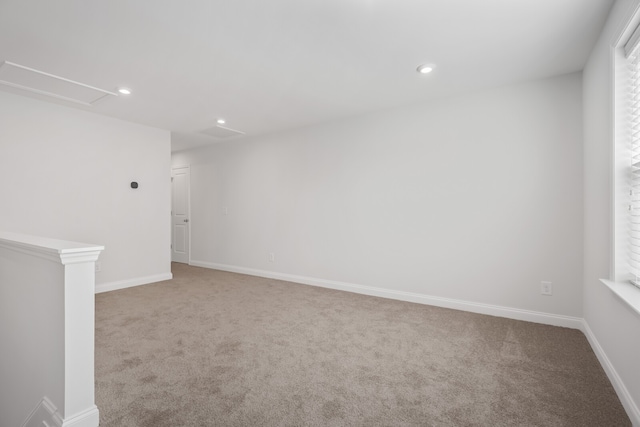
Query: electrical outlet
272, 257
546, 288
98, 267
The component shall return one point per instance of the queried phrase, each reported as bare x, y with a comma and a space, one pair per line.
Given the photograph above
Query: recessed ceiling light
425, 68
221, 121
124, 91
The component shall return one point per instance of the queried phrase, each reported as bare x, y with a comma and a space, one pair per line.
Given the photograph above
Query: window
626, 165
632, 62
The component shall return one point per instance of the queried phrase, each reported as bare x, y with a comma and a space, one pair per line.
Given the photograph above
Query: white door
180, 214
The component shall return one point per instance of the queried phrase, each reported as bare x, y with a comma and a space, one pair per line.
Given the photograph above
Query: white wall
30, 368
613, 325
65, 174
475, 198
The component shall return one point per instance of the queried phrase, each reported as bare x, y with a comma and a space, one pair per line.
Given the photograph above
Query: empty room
319, 213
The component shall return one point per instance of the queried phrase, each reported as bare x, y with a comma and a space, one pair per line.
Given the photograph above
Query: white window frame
620, 275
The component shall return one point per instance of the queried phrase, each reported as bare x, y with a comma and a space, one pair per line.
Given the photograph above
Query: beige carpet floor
211, 348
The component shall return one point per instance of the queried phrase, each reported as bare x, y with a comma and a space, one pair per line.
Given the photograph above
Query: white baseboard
90, 417
122, 284
623, 394
44, 414
492, 310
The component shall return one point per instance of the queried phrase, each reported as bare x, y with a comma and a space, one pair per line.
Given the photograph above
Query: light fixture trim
124, 91
425, 68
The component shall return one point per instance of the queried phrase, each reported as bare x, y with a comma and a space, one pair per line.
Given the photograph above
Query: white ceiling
272, 65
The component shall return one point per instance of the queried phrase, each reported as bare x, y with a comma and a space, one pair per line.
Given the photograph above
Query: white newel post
79, 328
47, 320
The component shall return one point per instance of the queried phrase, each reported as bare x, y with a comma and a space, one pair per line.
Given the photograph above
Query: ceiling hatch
29, 79
221, 132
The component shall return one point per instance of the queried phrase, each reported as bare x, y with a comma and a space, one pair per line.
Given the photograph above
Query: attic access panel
32, 80
221, 132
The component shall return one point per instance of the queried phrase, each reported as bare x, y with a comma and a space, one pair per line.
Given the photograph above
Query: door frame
188, 167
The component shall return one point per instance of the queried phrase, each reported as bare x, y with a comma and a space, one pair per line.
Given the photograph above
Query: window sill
626, 292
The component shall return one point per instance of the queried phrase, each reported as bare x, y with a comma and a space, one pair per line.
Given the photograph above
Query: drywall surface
66, 174
32, 330
475, 198
613, 324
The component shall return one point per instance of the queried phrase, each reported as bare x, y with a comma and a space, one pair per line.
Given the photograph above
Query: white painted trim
45, 413
56, 419
58, 251
612, 162
87, 418
79, 258
623, 394
474, 307
618, 249
129, 283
